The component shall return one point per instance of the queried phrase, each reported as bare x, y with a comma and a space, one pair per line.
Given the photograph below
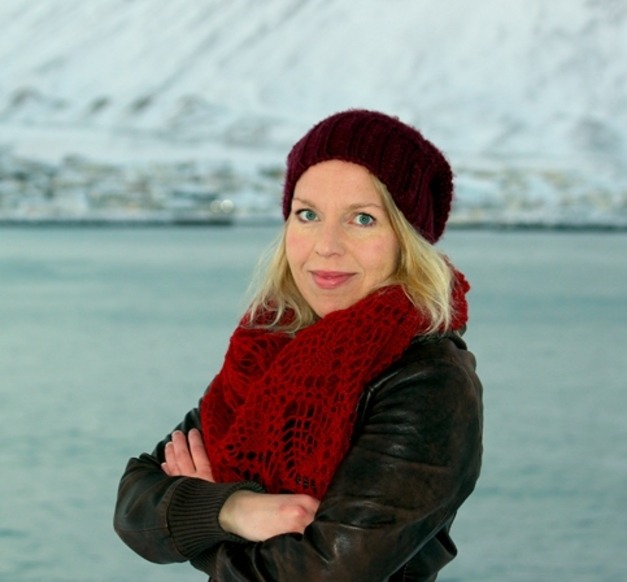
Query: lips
330, 279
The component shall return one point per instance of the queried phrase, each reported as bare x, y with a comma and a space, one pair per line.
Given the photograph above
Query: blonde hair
422, 271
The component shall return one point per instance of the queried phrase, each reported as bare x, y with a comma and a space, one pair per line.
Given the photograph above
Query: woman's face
339, 242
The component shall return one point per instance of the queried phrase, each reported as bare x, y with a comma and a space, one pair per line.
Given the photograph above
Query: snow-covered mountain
528, 98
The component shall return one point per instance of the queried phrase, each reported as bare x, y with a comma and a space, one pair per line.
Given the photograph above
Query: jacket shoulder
439, 367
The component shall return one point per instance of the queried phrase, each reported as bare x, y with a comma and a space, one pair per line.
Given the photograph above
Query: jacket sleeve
413, 463
170, 519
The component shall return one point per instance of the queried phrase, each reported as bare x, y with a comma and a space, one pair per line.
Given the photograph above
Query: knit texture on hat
415, 172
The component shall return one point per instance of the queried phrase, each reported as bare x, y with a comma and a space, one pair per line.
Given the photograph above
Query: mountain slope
524, 84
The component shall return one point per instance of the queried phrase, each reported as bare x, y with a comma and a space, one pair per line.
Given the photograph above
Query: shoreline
270, 221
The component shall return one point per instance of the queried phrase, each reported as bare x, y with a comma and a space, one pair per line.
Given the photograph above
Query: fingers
170, 467
185, 456
184, 459
199, 455
178, 460
298, 512
310, 503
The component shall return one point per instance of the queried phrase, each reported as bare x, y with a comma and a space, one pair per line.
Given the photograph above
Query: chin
322, 311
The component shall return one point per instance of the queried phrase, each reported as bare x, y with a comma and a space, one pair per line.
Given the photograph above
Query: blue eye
306, 215
363, 219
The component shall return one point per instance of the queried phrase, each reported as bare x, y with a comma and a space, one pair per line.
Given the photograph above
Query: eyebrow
350, 207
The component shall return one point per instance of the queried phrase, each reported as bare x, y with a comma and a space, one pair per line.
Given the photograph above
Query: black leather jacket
415, 457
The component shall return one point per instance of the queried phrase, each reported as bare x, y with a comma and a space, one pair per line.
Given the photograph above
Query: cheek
383, 258
294, 248
395, 256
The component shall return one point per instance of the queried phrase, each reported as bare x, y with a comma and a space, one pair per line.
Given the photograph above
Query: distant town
78, 191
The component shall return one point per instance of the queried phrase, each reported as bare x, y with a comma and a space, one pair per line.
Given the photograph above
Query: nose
329, 239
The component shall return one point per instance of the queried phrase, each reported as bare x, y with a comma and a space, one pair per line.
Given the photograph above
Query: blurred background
140, 109
120, 114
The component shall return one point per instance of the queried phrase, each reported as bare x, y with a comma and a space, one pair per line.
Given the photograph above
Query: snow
524, 87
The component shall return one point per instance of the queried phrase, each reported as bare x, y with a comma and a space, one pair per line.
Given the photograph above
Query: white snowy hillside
142, 109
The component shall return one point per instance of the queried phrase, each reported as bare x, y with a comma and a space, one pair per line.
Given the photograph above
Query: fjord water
109, 335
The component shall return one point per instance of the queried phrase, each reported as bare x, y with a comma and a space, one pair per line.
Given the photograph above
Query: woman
344, 430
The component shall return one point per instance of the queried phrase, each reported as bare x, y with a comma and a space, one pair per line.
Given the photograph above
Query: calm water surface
108, 336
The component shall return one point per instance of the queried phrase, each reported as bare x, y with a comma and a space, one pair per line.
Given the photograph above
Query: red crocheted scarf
282, 409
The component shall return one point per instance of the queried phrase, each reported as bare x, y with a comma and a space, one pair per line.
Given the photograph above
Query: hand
253, 516
259, 516
186, 456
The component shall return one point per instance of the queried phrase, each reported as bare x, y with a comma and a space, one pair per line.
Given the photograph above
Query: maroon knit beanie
414, 171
